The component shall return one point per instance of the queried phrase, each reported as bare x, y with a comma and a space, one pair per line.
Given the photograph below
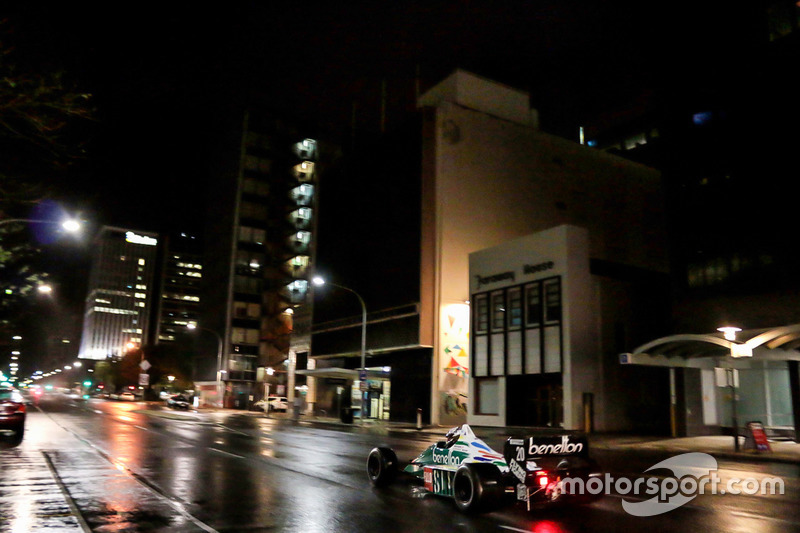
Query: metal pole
732, 381
220, 394
363, 344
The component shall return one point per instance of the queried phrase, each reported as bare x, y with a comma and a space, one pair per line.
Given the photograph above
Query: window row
533, 305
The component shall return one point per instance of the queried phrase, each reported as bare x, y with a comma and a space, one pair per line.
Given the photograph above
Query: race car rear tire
477, 488
381, 466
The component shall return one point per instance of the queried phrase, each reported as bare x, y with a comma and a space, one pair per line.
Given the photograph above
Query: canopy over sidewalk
701, 351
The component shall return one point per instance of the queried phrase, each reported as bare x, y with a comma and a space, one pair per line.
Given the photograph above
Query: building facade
181, 277
548, 312
487, 175
121, 293
259, 248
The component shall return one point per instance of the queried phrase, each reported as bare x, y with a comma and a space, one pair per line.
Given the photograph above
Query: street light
318, 281
192, 325
70, 225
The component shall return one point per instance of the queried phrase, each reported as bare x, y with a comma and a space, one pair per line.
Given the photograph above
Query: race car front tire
477, 487
381, 466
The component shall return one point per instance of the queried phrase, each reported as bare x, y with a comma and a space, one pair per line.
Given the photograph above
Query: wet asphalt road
108, 466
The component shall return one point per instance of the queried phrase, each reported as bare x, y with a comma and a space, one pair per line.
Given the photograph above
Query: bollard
419, 418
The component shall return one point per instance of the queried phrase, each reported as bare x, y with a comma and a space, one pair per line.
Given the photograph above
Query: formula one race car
463, 467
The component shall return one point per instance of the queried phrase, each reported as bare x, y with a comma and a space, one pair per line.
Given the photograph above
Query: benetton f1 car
465, 468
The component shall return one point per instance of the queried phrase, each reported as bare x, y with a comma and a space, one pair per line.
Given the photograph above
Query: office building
180, 286
121, 293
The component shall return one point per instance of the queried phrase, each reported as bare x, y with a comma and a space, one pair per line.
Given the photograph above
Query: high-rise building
181, 277
121, 293
260, 244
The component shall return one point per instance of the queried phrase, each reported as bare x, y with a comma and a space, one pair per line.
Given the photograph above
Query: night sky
161, 75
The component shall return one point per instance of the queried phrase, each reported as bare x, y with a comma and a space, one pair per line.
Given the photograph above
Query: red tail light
542, 478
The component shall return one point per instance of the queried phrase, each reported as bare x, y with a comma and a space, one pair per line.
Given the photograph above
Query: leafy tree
41, 119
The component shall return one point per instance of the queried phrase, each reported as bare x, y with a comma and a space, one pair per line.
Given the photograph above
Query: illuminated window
299, 261
299, 285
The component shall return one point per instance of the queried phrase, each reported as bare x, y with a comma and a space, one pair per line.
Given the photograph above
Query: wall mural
454, 364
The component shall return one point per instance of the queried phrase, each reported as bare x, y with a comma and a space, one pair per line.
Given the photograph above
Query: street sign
144, 365
144, 379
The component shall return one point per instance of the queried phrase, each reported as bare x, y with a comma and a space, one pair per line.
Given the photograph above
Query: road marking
226, 453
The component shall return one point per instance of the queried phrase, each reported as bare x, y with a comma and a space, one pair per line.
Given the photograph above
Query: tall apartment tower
260, 246
120, 294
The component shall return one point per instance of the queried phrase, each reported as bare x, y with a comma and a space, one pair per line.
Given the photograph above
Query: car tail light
12, 408
541, 478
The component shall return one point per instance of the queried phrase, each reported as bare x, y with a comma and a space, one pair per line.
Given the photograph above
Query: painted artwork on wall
454, 364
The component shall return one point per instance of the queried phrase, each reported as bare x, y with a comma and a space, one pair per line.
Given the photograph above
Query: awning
700, 351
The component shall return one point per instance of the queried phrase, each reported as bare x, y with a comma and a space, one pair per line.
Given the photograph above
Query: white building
490, 176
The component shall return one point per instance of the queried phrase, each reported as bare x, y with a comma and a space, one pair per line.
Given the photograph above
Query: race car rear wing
540, 446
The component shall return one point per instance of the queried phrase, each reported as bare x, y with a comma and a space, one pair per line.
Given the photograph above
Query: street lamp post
319, 282
729, 332
192, 325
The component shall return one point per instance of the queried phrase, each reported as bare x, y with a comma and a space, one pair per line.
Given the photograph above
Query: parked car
127, 396
274, 403
531, 469
179, 401
12, 414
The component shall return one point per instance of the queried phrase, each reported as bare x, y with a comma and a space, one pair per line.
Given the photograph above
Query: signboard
144, 379
144, 365
756, 437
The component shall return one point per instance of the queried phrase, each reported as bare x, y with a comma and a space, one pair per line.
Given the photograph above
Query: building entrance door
536, 401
